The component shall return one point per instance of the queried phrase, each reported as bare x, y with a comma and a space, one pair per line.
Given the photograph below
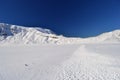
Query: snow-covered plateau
29, 53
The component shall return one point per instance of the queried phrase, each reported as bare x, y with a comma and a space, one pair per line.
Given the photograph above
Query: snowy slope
25, 35
60, 62
113, 36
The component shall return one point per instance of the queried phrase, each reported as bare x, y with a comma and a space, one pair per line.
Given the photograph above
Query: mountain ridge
35, 35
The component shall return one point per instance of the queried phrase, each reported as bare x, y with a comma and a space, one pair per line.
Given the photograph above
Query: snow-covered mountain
27, 35
113, 36
34, 35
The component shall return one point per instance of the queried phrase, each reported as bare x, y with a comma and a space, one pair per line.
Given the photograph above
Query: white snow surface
60, 62
29, 53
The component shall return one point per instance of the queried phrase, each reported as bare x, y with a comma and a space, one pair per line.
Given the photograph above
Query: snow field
60, 62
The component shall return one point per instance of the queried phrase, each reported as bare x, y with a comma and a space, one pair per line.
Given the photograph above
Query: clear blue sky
79, 18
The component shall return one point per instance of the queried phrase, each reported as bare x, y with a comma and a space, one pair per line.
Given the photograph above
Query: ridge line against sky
75, 18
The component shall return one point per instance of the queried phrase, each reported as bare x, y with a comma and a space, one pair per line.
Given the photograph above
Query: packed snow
60, 62
28, 53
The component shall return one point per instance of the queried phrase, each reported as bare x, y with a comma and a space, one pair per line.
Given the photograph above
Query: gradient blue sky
78, 18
